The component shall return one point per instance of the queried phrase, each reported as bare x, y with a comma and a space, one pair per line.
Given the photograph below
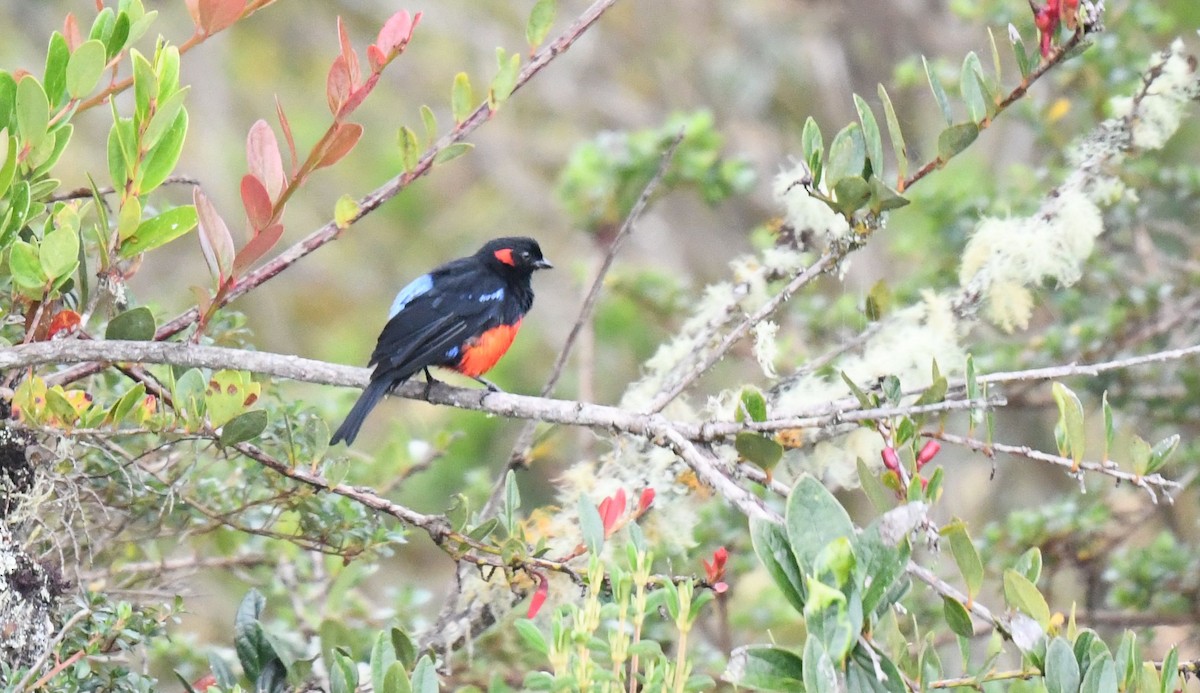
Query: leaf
424, 676
814, 518
512, 502
8, 149
256, 201
410, 153
33, 111
971, 90
215, 241
1139, 455
243, 427
851, 194
880, 497
145, 86
258, 246
819, 672
26, 267
861, 676
895, 134
955, 139
160, 230
345, 211
216, 15
263, 158
1100, 676
774, 552
507, 69
758, 449
847, 155
119, 159
165, 115
406, 651
965, 556
462, 99
59, 254
85, 68
1160, 454
1023, 595
870, 131
228, 394
135, 325
252, 649
160, 161
764, 668
1070, 418
753, 403
813, 148
541, 18
957, 617
340, 144
129, 217
1109, 430
452, 152
590, 524
939, 94
1061, 669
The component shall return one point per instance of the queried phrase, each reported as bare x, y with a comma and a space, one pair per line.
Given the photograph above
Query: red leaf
539, 596
348, 52
66, 321
215, 241
645, 500
375, 58
263, 158
204, 683
340, 144
287, 131
603, 511
71, 32
257, 247
357, 97
337, 85
257, 203
216, 15
193, 8
396, 32
619, 502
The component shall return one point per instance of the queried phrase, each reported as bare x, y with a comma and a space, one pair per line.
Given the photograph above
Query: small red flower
539, 596
611, 509
715, 571
645, 500
928, 452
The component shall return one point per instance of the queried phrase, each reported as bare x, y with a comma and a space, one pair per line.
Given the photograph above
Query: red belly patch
481, 353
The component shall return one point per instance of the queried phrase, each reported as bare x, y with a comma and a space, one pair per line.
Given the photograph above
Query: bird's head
514, 253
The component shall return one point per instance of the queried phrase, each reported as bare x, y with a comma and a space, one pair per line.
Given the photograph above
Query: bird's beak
543, 264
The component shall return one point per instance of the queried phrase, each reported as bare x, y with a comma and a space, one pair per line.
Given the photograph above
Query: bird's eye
524, 254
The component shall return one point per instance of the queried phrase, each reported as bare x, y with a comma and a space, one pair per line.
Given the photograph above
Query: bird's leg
492, 387
429, 381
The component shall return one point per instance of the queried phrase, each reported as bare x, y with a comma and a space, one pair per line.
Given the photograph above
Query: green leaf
410, 153
965, 556
8, 98
899, 148
955, 139
59, 253
8, 149
345, 211
764, 668
85, 68
882, 552
424, 676
135, 325
228, 394
243, 427
541, 18
429, 122
851, 194
820, 675
939, 94
160, 230
1160, 454
774, 552
996, 65
145, 85
752, 402
55, 78
1023, 595
512, 502
814, 518
1062, 670
120, 410
462, 98
406, 651
957, 617
165, 116
452, 152
871, 136
881, 498
160, 161
1109, 430
969, 86
507, 69
1100, 676
1070, 418
1170, 671
591, 524
25, 266
129, 217
1030, 564
252, 648
119, 36
813, 147
33, 111
395, 680
861, 676
166, 67
532, 637
758, 449
120, 144
847, 155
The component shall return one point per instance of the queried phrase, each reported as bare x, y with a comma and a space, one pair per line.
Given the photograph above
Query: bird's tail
348, 431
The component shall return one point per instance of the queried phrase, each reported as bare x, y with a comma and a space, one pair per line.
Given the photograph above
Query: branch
383, 193
1053, 372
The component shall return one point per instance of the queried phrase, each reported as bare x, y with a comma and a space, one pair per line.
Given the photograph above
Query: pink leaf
720, 587
71, 32
645, 500
258, 246
375, 58
257, 203
215, 241
539, 596
263, 158
396, 32
357, 97
287, 131
348, 52
338, 85
216, 15
343, 140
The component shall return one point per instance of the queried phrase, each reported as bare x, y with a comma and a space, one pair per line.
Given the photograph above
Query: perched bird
462, 316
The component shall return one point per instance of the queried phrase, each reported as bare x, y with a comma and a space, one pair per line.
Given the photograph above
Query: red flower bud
890, 459
928, 452
539, 596
646, 500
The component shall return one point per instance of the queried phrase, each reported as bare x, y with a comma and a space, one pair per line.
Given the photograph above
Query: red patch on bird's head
505, 255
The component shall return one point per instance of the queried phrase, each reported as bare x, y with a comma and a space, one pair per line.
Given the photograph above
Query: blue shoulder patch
416, 287
497, 295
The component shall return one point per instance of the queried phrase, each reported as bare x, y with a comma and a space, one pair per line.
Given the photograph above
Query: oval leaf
135, 325
84, 68
160, 230
246, 426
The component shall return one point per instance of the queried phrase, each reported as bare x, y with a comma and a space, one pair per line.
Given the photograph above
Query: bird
462, 316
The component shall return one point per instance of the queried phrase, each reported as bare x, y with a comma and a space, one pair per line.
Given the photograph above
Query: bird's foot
429, 381
492, 387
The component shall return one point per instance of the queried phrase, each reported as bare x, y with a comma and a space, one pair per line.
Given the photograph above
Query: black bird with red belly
462, 316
